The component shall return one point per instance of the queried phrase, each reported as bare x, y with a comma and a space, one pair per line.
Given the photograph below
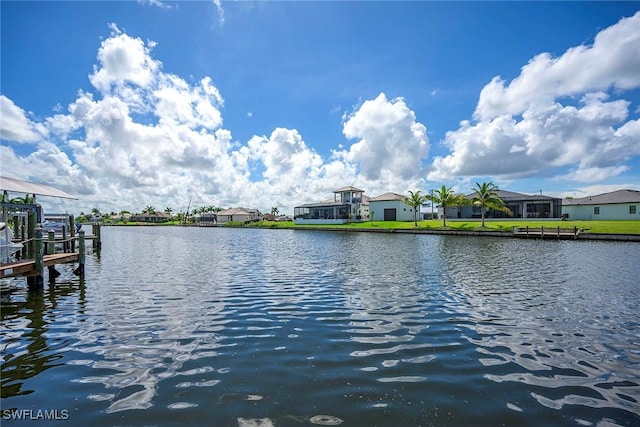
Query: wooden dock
547, 232
27, 267
42, 254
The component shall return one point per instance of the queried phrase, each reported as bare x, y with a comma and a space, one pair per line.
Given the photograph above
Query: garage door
390, 214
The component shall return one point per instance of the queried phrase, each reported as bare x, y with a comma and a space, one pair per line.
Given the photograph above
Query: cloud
612, 61
389, 139
14, 124
156, 3
218, 5
144, 136
527, 127
124, 63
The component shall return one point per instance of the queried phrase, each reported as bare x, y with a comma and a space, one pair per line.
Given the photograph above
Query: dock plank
26, 267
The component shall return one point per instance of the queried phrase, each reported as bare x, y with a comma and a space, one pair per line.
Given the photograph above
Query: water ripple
264, 327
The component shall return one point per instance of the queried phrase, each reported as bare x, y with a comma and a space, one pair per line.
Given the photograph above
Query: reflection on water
30, 344
282, 327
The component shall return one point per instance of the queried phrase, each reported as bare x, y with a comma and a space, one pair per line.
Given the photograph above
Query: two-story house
349, 204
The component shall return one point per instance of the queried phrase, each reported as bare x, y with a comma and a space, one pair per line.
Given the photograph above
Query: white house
237, 215
534, 206
349, 204
620, 204
390, 207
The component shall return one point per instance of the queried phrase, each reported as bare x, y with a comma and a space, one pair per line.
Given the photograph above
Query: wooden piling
97, 242
65, 242
72, 231
31, 232
81, 255
51, 242
35, 282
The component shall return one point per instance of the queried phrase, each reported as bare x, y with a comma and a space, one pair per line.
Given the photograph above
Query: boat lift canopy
17, 186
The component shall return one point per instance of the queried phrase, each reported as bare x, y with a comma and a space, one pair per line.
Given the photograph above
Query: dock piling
31, 232
72, 231
81, 255
97, 242
51, 242
35, 282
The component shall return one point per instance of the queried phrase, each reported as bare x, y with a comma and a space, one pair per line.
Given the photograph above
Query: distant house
237, 215
348, 204
621, 204
521, 205
390, 207
209, 218
152, 217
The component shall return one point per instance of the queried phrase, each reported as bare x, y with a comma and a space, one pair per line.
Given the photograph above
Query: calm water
228, 327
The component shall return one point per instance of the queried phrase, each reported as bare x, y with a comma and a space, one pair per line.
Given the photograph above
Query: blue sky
262, 104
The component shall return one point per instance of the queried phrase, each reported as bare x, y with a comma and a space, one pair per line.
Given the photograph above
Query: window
596, 210
632, 210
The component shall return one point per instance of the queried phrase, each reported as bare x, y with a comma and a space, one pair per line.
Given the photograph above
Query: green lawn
610, 227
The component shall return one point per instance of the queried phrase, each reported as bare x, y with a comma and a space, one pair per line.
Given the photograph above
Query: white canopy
17, 186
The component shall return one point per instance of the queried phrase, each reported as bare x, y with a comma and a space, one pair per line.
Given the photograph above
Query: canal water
249, 327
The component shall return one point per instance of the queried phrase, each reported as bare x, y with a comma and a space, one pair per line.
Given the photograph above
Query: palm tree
275, 211
168, 210
415, 200
445, 197
486, 198
149, 210
26, 200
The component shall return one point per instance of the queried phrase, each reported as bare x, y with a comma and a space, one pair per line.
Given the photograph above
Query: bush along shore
627, 230
585, 230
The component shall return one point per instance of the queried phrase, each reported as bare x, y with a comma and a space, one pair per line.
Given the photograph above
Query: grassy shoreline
594, 226
622, 227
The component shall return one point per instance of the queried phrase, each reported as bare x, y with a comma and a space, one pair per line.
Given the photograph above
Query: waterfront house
152, 217
521, 205
348, 204
239, 214
620, 204
390, 207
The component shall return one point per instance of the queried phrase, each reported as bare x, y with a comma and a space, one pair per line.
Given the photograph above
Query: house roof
619, 196
237, 211
328, 204
386, 197
348, 188
511, 196
154, 215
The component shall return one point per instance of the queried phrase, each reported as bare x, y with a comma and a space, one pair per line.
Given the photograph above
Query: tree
275, 211
486, 198
415, 200
445, 197
26, 200
168, 210
149, 210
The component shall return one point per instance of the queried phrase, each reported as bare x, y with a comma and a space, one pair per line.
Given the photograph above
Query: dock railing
48, 252
547, 232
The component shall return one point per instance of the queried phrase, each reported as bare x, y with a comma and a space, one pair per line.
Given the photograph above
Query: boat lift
34, 254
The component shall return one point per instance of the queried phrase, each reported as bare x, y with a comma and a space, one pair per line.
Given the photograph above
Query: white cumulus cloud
146, 137
14, 124
557, 115
389, 139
